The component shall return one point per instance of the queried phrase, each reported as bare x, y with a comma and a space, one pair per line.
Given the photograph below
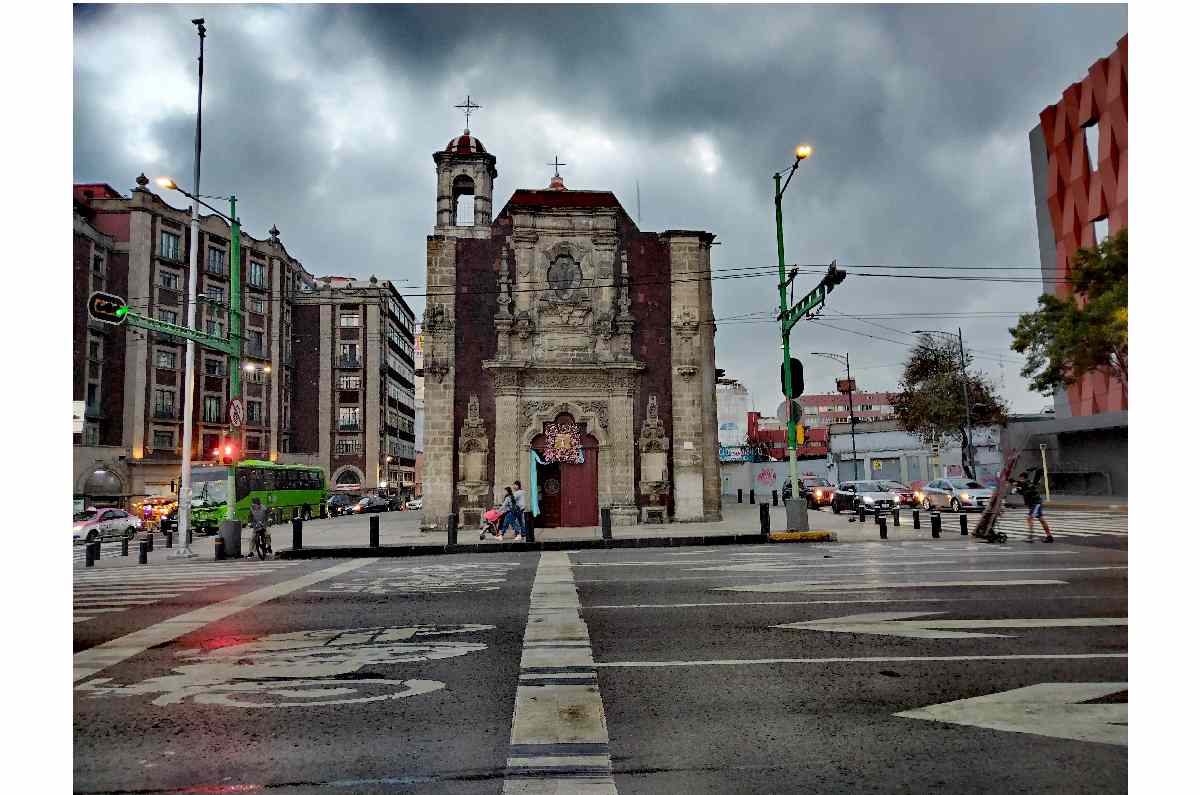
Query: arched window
464, 201
348, 478
102, 482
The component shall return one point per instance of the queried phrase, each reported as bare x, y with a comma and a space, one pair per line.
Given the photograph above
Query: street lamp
962, 358
837, 357
803, 152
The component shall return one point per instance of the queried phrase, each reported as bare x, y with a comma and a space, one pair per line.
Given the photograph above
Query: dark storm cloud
323, 118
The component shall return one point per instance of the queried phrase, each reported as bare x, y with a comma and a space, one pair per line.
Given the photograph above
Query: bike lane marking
90, 662
559, 739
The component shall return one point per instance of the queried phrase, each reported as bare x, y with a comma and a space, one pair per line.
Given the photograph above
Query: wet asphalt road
401, 675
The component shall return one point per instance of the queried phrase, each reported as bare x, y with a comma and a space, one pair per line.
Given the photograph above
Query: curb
417, 550
803, 535
1086, 506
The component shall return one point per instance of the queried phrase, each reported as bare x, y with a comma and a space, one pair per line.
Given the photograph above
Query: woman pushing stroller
497, 521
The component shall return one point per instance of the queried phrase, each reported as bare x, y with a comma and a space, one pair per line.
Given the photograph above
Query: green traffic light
122, 312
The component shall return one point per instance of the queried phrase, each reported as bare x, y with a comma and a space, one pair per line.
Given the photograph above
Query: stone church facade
559, 322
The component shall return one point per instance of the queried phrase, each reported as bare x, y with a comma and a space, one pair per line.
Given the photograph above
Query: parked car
904, 494
340, 504
414, 505
817, 491
869, 493
94, 524
372, 504
956, 494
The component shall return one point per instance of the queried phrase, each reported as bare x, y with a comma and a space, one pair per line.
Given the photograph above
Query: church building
568, 349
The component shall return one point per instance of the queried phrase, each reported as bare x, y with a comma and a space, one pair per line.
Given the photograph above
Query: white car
93, 524
413, 505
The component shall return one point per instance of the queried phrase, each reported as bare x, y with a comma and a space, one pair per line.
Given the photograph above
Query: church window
464, 201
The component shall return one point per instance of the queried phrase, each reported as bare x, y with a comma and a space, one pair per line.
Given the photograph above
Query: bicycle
260, 543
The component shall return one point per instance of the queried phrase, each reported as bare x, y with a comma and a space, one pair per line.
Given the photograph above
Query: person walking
258, 521
519, 494
509, 509
1033, 501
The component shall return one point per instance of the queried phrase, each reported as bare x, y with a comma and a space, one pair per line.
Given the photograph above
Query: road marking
559, 739
1051, 709
902, 625
90, 662
827, 660
884, 600
787, 587
435, 578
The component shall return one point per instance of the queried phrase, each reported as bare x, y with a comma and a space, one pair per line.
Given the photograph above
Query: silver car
956, 494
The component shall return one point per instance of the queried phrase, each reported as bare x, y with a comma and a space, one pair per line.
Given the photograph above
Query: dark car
340, 504
817, 491
372, 504
904, 494
870, 494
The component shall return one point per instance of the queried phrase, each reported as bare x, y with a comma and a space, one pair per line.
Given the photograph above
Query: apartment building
354, 348
131, 381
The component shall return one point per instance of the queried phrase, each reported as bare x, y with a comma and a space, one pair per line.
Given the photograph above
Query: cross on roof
556, 164
467, 107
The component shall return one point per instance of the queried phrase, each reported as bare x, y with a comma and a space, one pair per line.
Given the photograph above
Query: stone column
511, 458
328, 349
372, 367
707, 353
141, 277
438, 327
623, 448
687, 381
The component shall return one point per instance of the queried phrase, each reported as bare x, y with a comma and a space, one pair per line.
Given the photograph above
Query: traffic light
797, 379
833, 277
229, 450
107, 308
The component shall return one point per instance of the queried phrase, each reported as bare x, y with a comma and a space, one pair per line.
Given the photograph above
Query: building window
214, 328
215, 262
258, 274
348, 320
866, 407
164, 440
164, 404
257, 306
168, 245
1100, 229
213, 367
212, 409
210, 443
348, 418
254, 412
215, 294
254, 443
349, 351
1091, 139
94, 349
168, 316
349, 382
254, 343
168, 279
165, 360
91, 435
347, 446
93, 397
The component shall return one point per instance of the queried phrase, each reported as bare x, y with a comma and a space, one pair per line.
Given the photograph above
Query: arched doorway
103, 487
568, 490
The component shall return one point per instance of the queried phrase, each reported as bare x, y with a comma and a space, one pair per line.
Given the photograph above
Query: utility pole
849, 390
189, 375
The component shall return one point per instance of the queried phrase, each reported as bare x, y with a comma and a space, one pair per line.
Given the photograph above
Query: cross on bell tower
556, 182
466, 108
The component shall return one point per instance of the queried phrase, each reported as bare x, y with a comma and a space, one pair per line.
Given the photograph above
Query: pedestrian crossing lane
1078, 524
100, 592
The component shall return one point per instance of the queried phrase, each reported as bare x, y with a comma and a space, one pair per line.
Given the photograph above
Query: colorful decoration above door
563, 443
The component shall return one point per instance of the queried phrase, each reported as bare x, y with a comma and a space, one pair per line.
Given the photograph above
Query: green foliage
930, 402
1064, 339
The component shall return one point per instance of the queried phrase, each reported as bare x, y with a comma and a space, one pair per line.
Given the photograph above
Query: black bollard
896, 517
124, 546
374, 531
606, 522
529, 533
88, 550
962, 524
775, 498
298, 533
935, 521
143, 548
150, 542
916, 520
323, 509
218, 548
862, 514
882, 526
764, 518
170, 540
739, 496
452, 529
295, 512
751, 496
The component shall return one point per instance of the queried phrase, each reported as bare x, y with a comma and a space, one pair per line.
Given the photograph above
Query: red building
769, 437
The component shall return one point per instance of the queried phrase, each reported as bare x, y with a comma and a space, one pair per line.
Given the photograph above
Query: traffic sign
107, 308
237, 413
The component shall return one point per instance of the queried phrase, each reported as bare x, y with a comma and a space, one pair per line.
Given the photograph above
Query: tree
930, 402
1089, 330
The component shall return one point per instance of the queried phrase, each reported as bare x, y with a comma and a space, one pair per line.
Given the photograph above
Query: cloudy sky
322, 120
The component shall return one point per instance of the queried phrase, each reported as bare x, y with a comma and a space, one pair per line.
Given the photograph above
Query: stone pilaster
438, 327
622, 449
375, 359
687, 380
325, 390
707, 354
141, 278
511, 451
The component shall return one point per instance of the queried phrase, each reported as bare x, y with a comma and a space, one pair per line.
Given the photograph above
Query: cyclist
258, 522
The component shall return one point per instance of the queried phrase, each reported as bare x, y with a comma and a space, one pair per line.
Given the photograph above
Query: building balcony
350, 363
166, 414
92, 411
350, 427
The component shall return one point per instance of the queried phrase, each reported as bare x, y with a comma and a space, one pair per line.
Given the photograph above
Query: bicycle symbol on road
310, 668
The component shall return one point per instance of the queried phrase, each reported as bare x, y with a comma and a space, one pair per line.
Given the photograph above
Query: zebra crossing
97, 592
1067, 524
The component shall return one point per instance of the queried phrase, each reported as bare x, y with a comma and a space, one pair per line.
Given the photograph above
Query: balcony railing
350, 362
349, 426
165, 413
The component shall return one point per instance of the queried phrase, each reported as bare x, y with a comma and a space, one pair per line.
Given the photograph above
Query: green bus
282, 488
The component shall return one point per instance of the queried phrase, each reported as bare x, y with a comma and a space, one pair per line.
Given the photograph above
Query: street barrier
297, 533
374, 542
764, 517
916, 520
218, 548
606, 522
962, 524
143, 550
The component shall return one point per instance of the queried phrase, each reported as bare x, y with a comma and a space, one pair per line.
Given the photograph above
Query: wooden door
580, 502
550, 495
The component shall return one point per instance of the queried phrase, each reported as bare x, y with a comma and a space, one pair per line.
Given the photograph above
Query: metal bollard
324, 515
124, 546
775, 498
862, 514
529, 532
88, 550
297, 533
962, 524
150, 542
751, 496
295, 512
374, 542
895, 517
935, 521
739, 496
882, 526
170, 540
764, 517
606, 522
916, 519
452, 529
218, 548
143, 548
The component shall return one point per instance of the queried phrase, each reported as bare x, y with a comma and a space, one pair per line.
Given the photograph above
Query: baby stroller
489, 523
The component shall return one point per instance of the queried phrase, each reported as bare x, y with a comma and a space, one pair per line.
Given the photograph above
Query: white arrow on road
1052, 710
902, 625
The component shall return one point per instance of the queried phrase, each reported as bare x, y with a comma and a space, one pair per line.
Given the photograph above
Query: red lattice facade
1080, 193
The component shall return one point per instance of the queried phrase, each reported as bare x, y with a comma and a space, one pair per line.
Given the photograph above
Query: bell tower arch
464, 168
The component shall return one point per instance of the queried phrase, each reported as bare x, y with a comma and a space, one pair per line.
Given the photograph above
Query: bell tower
464, 168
